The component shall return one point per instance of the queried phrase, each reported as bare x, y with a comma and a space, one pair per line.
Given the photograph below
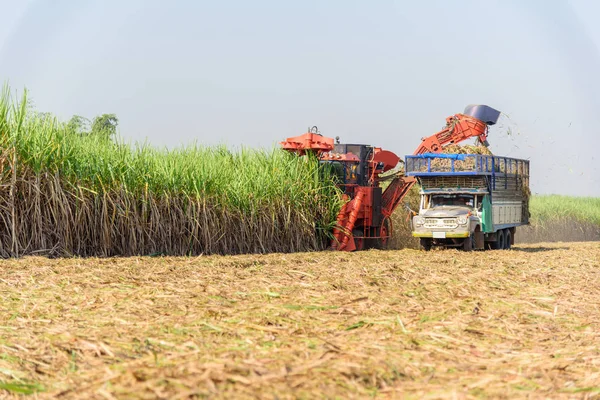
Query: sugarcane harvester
364, 220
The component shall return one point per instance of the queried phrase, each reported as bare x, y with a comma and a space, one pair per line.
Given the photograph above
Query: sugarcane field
173, 224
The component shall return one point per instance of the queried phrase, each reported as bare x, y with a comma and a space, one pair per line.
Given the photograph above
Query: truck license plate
439, 235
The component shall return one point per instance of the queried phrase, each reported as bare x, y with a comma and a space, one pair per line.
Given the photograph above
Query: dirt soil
523, 323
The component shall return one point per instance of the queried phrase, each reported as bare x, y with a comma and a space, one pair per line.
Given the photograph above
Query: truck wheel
478, 239
425, 244
469, 243
507, 239
499, 244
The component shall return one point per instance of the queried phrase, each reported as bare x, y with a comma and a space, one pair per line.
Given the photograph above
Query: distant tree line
104, 126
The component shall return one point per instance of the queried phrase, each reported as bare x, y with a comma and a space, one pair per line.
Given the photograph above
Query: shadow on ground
538, 249
564, 230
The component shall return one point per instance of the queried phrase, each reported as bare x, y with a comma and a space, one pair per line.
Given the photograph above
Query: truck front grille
442, 223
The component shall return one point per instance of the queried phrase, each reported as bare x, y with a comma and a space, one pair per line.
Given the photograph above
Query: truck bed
505, 179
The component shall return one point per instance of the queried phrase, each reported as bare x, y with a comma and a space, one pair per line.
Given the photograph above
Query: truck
469, 201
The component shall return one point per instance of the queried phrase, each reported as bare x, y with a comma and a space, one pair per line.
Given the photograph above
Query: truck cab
449, 217
469, 201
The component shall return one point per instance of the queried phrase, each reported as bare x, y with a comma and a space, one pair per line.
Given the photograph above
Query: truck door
486, 220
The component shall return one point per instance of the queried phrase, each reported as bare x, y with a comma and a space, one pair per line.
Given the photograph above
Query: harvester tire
360, 243
383, 243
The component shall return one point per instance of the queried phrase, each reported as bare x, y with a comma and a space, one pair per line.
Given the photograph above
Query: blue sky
380, 72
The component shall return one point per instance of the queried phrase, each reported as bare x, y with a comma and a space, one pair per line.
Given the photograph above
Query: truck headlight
419, 221
462, 220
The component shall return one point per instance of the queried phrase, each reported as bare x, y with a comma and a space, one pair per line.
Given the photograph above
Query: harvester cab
351, 163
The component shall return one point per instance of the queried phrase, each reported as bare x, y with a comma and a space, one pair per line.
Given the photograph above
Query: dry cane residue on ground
500, 324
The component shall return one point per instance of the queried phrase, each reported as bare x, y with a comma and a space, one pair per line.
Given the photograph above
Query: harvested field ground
497, 324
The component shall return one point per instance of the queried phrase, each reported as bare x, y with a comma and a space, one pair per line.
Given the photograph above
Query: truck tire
478, 239
507, 239
469, 243
499, 243
426, 244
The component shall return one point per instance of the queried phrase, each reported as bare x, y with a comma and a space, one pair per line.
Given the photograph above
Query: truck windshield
461, 200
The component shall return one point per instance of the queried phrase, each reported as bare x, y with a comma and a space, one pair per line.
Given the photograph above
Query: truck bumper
449, 235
